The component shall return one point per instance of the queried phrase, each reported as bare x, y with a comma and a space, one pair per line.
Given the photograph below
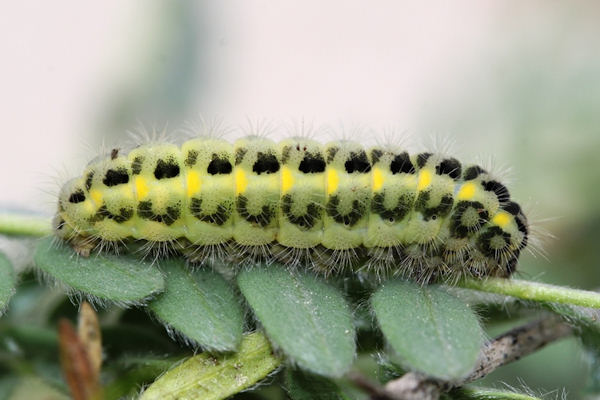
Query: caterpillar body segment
257, 191
210, 190
422, 215
348, 188
303, 194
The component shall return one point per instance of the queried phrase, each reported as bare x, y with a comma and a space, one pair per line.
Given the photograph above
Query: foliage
265, 328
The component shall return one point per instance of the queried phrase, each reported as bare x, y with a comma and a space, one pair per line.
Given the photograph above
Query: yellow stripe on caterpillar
467, 191
141, 187
287, 180
378, 179
193, 183
502, 219
241, 182
333, 180
425, 179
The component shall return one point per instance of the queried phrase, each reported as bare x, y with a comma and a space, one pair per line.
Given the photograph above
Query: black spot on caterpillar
422, 159
219, 166
265, 163
145, 211
473, 172
307, 219
166, 169
498, 188
357, 162
136, 166
401, 164
424, 216
219, 217
124, 215
312, 164
115, 177
450, 167
77, 197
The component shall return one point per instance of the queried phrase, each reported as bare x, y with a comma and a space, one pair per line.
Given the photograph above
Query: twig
510, 346
24, 225
518, 343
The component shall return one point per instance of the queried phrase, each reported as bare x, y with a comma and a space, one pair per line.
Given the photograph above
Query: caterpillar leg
83, 245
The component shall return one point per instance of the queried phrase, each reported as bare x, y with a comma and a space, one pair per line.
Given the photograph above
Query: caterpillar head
505, 237
74, 209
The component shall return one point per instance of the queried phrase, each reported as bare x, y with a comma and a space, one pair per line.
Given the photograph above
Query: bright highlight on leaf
200, 305
214, 377
304, 316
431, 331
118, 278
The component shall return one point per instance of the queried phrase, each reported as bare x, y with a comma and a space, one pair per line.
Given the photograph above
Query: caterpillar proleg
330, 206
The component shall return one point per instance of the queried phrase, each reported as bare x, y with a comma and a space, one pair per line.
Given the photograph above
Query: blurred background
515, 81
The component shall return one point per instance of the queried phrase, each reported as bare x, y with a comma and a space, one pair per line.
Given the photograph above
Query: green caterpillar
330, 206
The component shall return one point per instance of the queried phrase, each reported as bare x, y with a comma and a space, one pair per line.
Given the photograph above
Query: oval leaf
432, 331
7, 282
212, 377
201, 306
123, 279
307, 318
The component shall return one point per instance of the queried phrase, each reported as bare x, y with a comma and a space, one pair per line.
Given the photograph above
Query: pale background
519, 82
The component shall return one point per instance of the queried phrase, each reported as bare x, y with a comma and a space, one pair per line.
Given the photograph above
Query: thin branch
509, 347
24, 225
518, 343
536, 291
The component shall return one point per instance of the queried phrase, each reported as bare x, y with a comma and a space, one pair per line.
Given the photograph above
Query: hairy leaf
486, 394
212, 377
430, 330
304, 316
587, 322
7, 282
119, 278
200, 305
302, 385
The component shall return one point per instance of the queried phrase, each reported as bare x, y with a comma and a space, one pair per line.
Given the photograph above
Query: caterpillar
330, 206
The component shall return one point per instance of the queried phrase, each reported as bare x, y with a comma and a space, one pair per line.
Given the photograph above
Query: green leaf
122, 279
200, 305
430, 330
212, 377
304, 316
302, 385
7, 282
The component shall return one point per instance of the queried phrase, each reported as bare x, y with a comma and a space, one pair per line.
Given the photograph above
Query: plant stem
517, 343
506, 348
535, 291
24, 225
